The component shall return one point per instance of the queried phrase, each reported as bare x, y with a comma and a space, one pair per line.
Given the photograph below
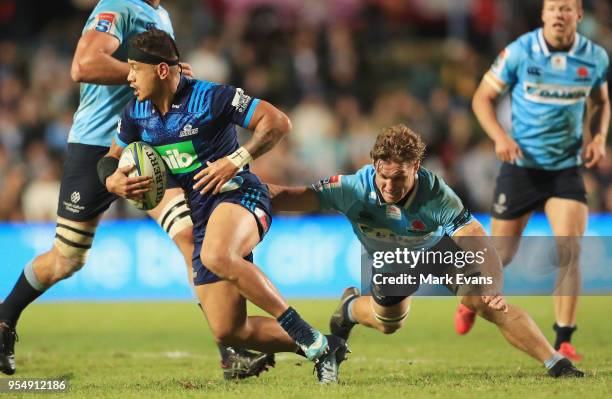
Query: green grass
164, 350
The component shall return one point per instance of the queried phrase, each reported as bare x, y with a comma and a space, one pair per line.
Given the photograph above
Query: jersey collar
544, 46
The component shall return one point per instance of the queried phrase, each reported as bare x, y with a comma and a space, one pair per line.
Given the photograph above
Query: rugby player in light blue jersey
100, 66
395, 203
550, 73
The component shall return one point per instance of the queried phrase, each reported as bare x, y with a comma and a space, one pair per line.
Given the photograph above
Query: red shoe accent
569, 352
464, 319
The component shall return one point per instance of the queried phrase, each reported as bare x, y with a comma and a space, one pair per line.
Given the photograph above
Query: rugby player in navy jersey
191, 124
100, 66
394, 203
553, 74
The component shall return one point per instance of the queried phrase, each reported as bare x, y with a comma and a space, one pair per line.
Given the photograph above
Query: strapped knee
391, 324
73, 241
175, 217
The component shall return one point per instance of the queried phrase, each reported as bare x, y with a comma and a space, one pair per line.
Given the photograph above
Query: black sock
300, 331
564, 334
20, 297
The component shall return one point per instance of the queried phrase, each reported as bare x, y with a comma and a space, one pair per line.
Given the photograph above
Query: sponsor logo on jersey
555, 94
534, 71
188, 130
179, 157
240, 101
105, 21
418, 225
582, 75
388, 236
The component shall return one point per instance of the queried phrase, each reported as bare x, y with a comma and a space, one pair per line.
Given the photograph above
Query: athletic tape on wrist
240, 157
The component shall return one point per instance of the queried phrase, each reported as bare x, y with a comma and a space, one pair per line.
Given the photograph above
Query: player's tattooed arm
269, 126
598, 115
118, 181
293, 199
472, 238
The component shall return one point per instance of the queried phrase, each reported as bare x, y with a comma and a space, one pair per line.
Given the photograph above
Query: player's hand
595, 151
507, 149
496, 302
128, 187
186, 69
214, 176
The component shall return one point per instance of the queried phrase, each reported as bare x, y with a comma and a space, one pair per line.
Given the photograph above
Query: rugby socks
550, 363
300, 331
348, 310
25, 291
564, 334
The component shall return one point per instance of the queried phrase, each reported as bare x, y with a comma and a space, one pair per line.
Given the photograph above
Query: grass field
164, 350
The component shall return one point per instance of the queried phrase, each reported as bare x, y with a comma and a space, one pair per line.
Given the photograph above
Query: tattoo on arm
263, 140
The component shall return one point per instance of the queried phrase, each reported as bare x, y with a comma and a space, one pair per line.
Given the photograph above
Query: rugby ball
148, 163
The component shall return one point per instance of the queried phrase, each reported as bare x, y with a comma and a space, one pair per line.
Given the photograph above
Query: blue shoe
317, 349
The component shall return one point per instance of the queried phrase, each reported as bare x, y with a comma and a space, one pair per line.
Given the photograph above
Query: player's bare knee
65, 267
221, 262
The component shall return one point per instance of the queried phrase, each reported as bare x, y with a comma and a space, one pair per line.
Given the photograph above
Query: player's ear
163, 70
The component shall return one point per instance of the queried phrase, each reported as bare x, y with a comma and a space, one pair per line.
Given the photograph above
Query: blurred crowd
341, 69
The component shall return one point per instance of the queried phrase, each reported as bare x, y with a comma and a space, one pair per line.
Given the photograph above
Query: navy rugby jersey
198, 128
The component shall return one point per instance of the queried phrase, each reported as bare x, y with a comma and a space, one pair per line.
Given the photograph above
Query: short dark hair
156, 42
398, 144
578, 4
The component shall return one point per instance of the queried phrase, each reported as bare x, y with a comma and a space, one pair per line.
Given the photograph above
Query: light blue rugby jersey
548, 92
431, 211
95, 121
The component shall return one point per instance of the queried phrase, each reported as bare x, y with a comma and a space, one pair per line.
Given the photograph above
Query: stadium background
341, 69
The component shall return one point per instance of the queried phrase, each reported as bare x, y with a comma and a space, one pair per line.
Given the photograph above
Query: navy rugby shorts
519, 190
252, 195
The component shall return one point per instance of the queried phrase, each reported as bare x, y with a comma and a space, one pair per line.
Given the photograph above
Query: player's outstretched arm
598, 106
293, 199
483, 104
473, 238
116, 179
269, 126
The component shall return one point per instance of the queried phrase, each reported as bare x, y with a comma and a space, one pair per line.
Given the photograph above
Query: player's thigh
231, 231
506, 235
567, 217
223, 306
